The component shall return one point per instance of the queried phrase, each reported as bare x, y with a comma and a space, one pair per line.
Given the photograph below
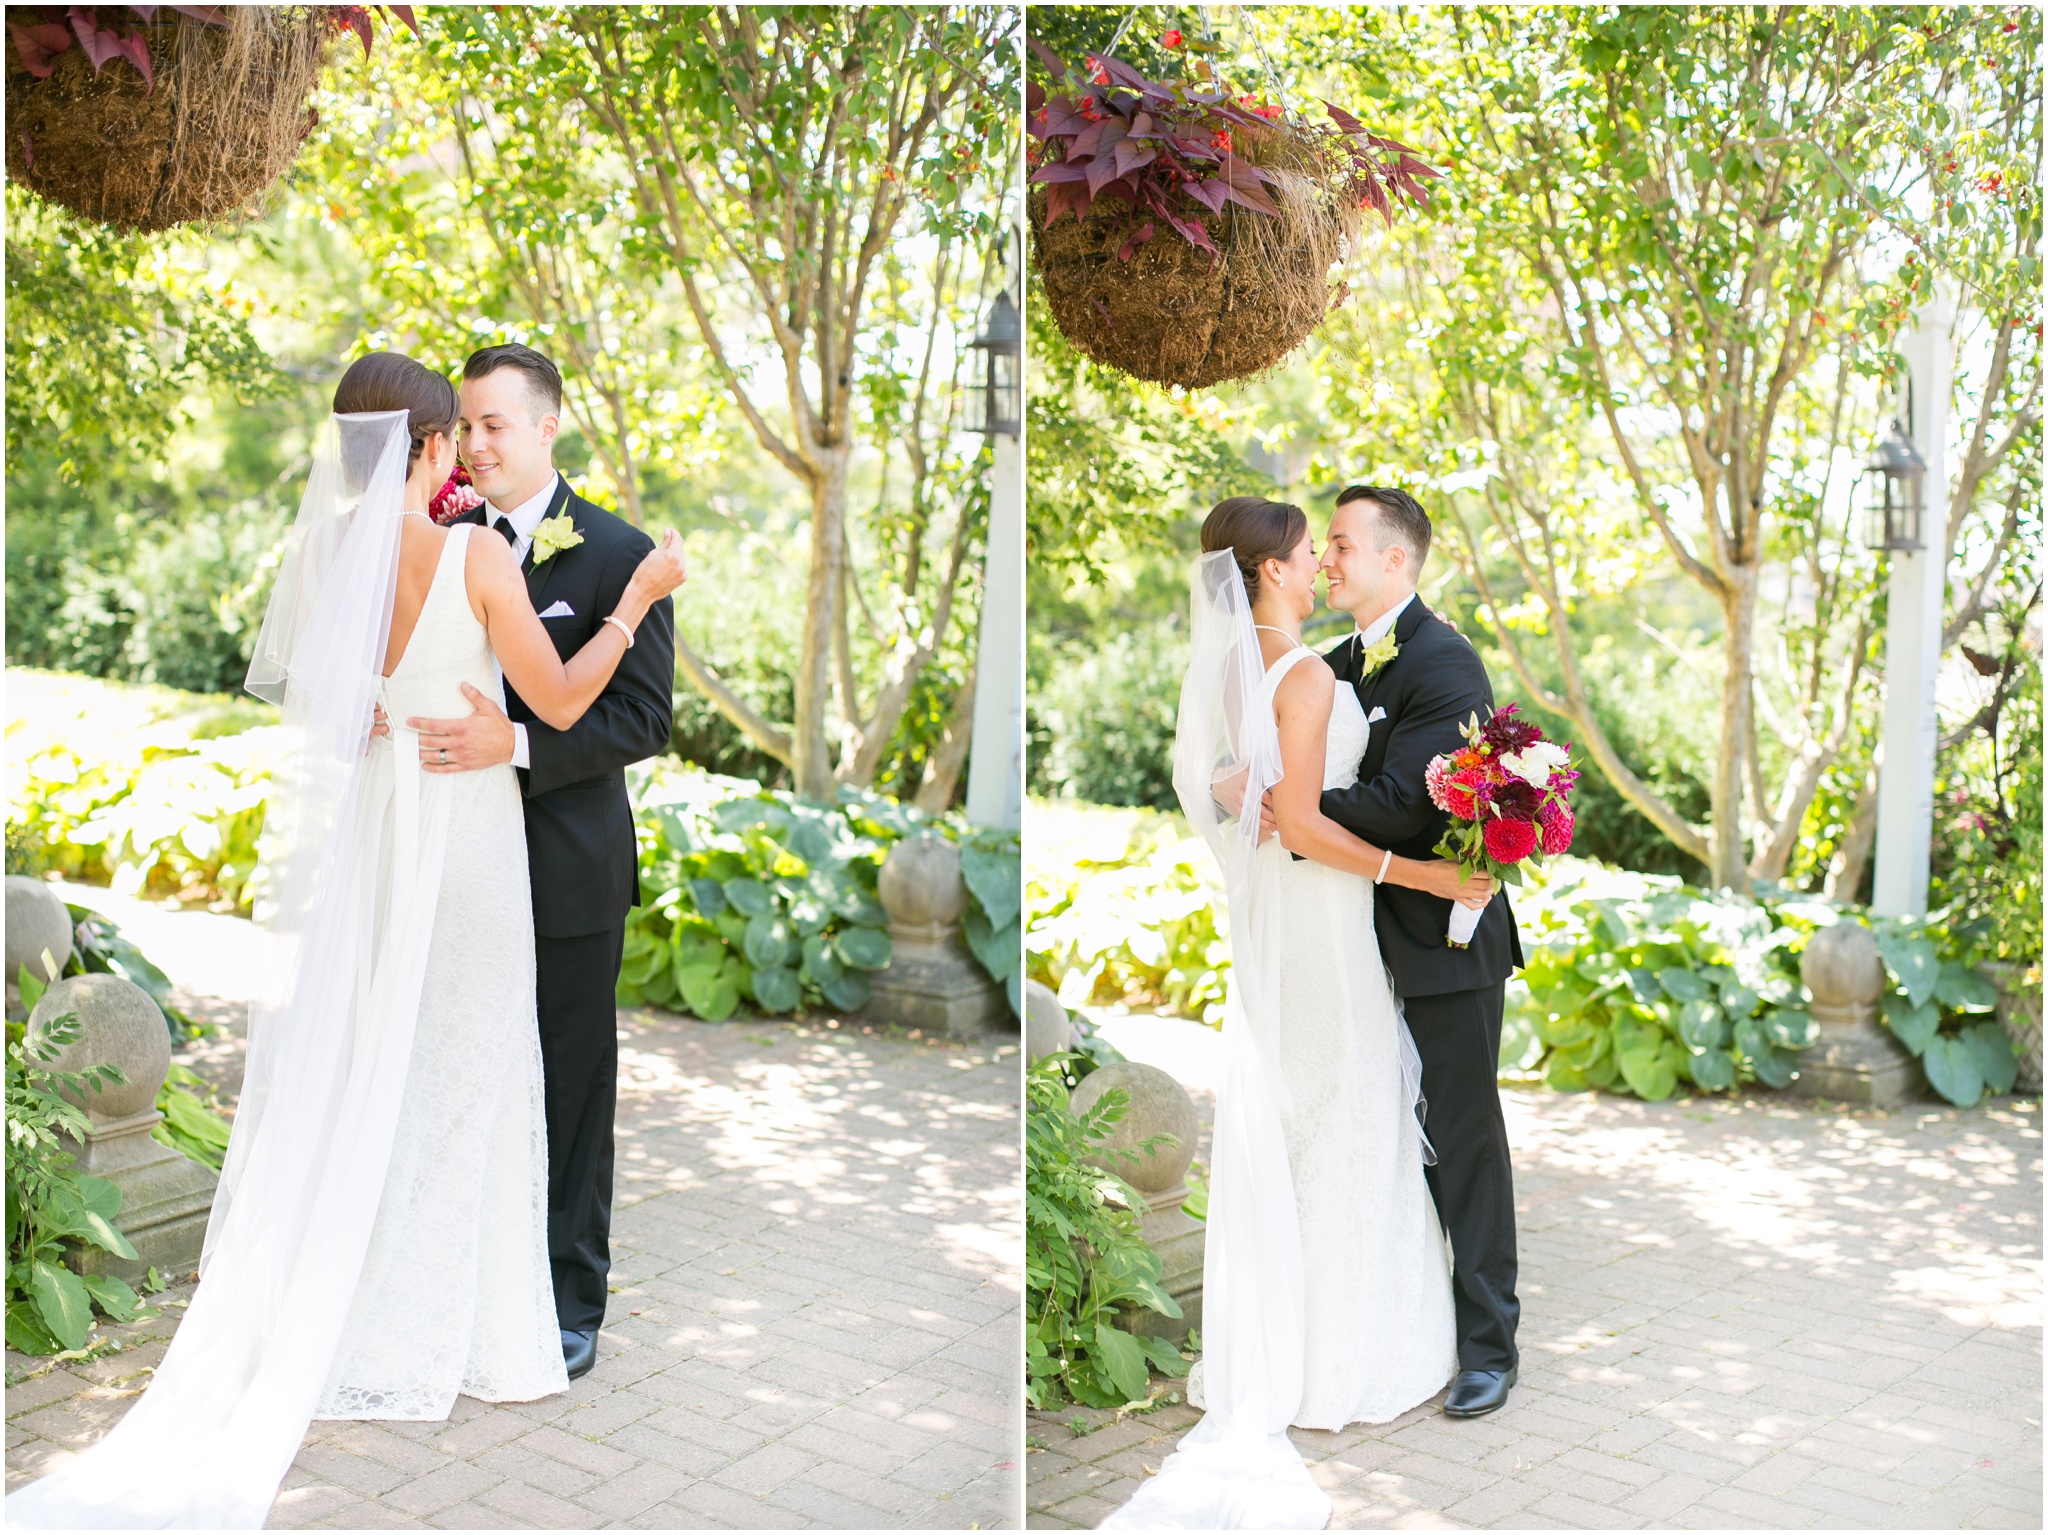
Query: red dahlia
1510, 841
1556, 820
1505, 732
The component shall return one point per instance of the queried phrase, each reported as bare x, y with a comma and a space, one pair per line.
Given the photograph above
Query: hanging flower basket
147, 116
1185, 234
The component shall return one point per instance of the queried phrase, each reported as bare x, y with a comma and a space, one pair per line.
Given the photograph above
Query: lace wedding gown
379, 1240
1333, 1306
1378, 1311
455, 1295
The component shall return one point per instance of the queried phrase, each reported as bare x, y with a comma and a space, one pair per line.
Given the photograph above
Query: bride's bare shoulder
1309, 684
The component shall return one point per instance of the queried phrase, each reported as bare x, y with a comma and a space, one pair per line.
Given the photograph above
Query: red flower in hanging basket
1171, 38
1096, 72
1220, 141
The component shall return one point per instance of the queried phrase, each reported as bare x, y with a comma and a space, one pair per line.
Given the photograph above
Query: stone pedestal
1047, 1029
933, 981
1856, 1059
165, 1196
1158, 1103
36, 922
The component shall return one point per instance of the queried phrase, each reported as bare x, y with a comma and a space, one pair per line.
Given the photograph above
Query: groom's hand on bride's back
478, 740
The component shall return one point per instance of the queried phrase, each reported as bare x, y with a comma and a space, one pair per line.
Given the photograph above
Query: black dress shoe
579, 1351
1477, 1392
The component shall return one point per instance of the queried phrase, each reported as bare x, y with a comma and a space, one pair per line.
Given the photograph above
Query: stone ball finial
1158, 1103
1047, 1029
36, 920
118, 1025
1842, 970
921, 885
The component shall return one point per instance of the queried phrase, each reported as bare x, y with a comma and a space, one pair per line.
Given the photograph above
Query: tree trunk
942, 771
1845, 873
1727, 869
812, 753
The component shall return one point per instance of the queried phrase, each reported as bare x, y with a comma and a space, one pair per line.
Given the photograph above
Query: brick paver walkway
815, 1319
1747, 1313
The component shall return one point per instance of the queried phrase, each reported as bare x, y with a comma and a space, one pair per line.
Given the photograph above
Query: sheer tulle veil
351, 871
1237, 1469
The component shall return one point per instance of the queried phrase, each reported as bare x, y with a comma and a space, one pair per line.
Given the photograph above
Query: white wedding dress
1326, 1287
1377, 1310
378, 1243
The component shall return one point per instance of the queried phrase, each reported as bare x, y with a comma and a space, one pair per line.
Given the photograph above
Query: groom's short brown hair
542, 376
1401, 518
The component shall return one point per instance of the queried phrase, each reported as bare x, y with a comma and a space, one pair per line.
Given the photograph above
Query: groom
1379, 539
579, 825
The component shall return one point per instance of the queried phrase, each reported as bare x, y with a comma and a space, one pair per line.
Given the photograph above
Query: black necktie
504, 526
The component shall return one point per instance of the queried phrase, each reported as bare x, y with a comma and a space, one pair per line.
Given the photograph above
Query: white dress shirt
525, 518
1384, 624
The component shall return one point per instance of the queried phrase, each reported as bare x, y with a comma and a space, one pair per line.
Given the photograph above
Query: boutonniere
1373, 657
553, 536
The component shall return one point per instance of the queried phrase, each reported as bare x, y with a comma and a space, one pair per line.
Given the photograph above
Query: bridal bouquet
1508, 793
455, 498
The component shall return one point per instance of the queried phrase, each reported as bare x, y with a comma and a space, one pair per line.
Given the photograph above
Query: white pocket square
560, 610
1376, 716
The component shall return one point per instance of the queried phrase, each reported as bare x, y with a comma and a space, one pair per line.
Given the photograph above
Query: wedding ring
444, 756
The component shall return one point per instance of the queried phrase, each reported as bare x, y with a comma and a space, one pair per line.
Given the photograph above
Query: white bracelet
624, 628
1381, 877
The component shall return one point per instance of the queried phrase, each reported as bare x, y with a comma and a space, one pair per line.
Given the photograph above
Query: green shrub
1102, 721
1937, 1004
756, 896
1084, 1258
49, 1203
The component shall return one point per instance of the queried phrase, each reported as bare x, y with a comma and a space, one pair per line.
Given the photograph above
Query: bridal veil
351, 872
1237, 1469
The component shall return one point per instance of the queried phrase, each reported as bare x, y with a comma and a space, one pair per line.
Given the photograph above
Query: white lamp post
995, 764
1905, 785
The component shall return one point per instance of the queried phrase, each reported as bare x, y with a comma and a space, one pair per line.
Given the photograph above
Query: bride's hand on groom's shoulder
662, 570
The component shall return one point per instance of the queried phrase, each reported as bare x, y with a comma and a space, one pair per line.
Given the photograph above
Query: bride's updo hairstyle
1255, 530
392, 381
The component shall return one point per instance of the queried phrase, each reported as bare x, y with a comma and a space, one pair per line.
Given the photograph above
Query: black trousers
1457, 1034
579, 1051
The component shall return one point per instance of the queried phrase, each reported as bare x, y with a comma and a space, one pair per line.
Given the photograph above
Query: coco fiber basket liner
1172, 314
223, 123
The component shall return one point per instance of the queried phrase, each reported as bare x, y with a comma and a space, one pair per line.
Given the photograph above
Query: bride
378, 1243
1326, 1287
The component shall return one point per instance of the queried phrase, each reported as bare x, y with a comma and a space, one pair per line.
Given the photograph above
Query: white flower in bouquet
1535, 763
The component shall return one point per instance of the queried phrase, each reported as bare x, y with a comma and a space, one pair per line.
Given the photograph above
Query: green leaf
863, 948
749, 897
1914, 1027
777, 988
1991, 1048
1000, 950
1165, 1358
112, 1295
848, 991
997, 879
820, 964
770, 943
1951, 1066
1123, 1361
32, 988
1701, 1025
1647, 1073
1749, 1038
1681, 985
708, 991
62, 1304
1912, 962
1965, 990
1774, 1067
1790, 1028
1714, 1070
708, 896
25, 1331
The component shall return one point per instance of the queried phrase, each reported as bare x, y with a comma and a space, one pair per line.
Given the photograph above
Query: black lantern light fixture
1898, 492
997, 404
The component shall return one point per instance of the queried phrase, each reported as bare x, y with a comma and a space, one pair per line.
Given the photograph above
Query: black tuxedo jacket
1432, 686
580, 851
